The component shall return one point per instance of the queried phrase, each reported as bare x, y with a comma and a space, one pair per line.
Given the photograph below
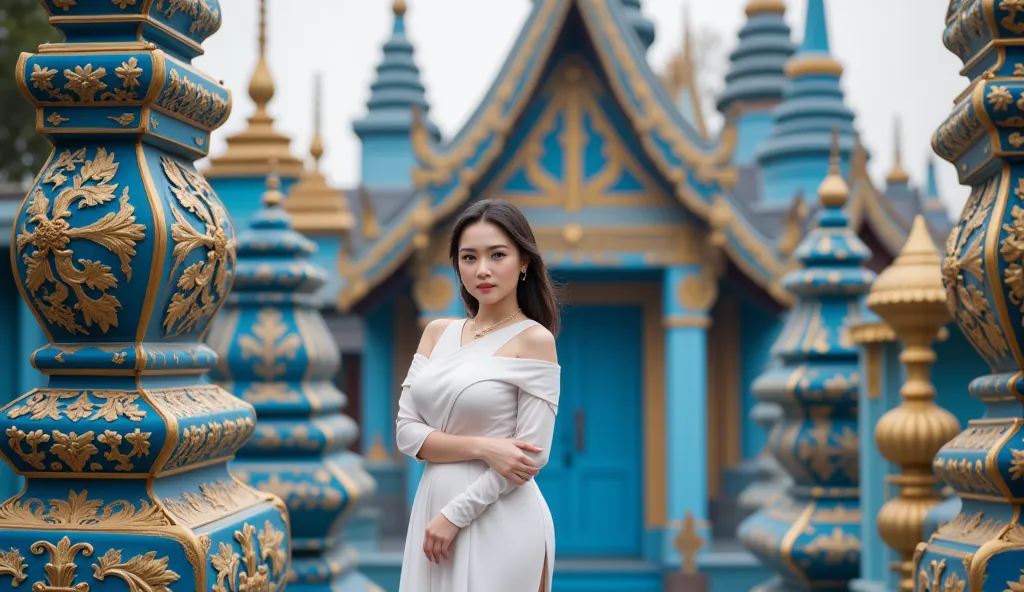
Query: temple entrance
594, 479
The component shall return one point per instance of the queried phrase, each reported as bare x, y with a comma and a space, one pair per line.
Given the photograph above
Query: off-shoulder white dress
505, 530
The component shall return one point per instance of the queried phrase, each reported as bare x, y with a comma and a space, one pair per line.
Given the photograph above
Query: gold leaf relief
77, 511
61, 568
250, 571
204, 18
142, 573
192, 100
210, 440
78, 405
76, 450
213, 501
85, 82
971, 529
205, 282
13, 564
270, 344
835, 548
967, 302
52, 260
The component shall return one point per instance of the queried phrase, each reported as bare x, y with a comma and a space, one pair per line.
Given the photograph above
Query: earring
522, 277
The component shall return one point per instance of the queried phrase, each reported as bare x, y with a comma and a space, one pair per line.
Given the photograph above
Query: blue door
593, 479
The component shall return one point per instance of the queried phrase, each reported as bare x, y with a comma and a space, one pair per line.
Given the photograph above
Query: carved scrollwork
203, 284
52, 262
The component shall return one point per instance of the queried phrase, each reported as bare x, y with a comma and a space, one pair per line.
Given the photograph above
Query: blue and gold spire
643, 26
125, 255
795, 156
277, 352
395, 94
811, 535
757, 73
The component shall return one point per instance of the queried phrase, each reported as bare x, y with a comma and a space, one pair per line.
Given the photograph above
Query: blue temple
717, 278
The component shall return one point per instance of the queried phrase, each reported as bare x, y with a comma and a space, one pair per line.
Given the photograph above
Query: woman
479, 406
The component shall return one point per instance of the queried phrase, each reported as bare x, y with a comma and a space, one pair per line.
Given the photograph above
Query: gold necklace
479, 334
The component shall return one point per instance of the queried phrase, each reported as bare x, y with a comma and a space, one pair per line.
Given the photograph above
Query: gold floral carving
78, 510
210, 440
1012, 250
75, 450
78, 405
64, 4
978, 437
822, 456
930, 579
213, 501
970, 529
268, 437
188, 402
53, 235
835, 548
320, 493
270, 344
13, 564
141, 573
122, 4
204, 19
195, 300
192, 101
964, 253
55, 119
964, 475
250, 572
960, 131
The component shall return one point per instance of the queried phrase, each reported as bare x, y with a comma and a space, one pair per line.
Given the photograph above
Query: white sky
891, 49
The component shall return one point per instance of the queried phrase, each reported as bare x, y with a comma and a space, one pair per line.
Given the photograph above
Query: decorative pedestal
125, 255
910, 298
276, 351
811, 535
982, 548
688, 542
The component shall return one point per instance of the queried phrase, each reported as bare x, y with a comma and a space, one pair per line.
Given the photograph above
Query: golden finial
315, 206
833, 191
909, 296
399, 7
897, 174
272, 197
762, 6
249, 152
316, 146
261, 86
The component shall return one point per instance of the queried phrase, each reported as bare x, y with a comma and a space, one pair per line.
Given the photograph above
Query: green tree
23, 27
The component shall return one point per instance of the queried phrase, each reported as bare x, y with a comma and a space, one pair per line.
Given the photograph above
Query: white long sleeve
535, 424
410, 428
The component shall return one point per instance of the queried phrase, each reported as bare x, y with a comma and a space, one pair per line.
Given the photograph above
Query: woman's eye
498, 255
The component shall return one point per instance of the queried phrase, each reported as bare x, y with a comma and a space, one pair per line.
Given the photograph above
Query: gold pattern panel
61, 568
78, 511
192, 101
970, 529
76, 451
197, 401
78, 406
210, 440
966, 476
574, 113
978, 437
202, 285
211, 502
51, 274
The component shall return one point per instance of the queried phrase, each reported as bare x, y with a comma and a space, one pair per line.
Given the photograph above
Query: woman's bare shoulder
538, 343
431, 334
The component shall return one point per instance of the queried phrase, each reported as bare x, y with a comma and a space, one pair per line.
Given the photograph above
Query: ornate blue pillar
811, 535
982, 548
278, 354
881, 376
125, 255
689, 293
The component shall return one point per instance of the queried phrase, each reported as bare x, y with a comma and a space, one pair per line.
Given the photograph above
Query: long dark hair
536, 294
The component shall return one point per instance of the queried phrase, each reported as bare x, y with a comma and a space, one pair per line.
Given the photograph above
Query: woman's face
489, 262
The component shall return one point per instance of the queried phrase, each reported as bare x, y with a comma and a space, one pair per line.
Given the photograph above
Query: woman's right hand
507, 458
